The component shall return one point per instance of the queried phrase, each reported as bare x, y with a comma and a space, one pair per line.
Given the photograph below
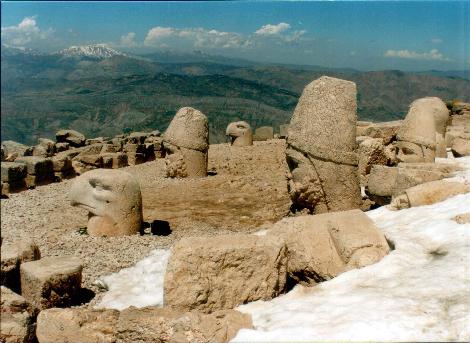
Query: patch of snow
419, 292
96, 51
139, 286
260, 232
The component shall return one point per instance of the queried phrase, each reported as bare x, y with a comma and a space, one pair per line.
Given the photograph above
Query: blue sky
364, 35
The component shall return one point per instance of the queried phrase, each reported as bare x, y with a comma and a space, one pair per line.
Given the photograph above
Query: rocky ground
246, 192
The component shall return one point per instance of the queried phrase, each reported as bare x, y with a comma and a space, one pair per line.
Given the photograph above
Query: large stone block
114, 160
222, 272
74, 138
40, 166
13, 255
263, 133
13, 171
323, 246
51, 281
145, 325
18, 318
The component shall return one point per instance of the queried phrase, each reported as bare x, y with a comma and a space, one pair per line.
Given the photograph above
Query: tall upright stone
186, 142
416, 139
321, 147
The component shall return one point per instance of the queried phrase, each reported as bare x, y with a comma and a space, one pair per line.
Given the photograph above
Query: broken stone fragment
323, 246
13, 255
428, 193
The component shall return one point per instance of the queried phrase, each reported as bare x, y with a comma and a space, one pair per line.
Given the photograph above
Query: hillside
103, 96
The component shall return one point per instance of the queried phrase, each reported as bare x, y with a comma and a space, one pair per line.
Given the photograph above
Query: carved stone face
412, 152
183, 162
240, 133
304, 186
113, 200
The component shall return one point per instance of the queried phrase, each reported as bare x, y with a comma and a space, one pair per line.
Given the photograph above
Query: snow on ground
139, 286
419, 292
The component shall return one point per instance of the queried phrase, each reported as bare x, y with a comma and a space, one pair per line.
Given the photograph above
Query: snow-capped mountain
94, 51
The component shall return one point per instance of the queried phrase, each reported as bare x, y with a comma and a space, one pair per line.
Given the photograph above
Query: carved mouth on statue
92, 210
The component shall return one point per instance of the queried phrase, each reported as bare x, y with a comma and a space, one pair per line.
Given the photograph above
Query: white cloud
197, 37
25, 32
433, 54
270, 29
128, 40
436, 40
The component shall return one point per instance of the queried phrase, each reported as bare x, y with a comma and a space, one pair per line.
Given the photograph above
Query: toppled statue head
323, 164
240, 133
113, 200
422, 132
186, 142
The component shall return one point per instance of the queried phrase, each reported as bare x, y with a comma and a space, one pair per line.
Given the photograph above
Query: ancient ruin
113, 200
321, 148
186, 142
240, 133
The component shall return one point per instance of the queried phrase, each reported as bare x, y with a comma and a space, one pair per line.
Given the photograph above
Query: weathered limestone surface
113, 199
283, 131
321, 146
240, 133
51, 281
146, 325
323, 246
13, 255
17, 324
213, 273
186, 143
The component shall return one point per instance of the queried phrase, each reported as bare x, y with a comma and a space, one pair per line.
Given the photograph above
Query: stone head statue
416, 139
323, 164
113, 200
186, 142
240, 133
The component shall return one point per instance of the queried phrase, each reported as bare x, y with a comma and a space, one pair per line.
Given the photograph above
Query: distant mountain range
101, 91
93, 51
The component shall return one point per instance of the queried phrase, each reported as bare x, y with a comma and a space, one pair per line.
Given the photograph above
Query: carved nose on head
78, 192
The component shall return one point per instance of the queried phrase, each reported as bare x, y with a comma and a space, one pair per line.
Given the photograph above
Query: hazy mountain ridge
102, 96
